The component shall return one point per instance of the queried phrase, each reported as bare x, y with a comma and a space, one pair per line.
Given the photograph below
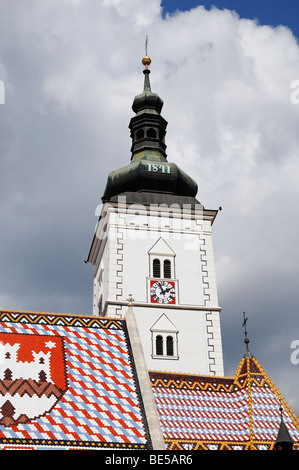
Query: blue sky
268, 12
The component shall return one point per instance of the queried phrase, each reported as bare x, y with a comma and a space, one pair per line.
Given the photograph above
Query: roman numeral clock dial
162, 292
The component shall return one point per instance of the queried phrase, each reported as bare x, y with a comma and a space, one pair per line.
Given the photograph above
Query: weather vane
146, 44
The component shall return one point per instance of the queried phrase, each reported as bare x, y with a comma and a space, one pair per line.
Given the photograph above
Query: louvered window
156, 268
169, 346
167, 269
159, 345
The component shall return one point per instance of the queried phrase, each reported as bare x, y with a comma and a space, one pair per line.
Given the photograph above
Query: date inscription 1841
155, 167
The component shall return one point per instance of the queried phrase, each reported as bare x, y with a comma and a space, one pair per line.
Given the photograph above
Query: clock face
162, 292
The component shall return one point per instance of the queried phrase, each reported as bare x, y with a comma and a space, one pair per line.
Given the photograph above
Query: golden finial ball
146, 60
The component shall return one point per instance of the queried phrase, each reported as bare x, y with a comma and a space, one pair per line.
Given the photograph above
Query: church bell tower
153, 246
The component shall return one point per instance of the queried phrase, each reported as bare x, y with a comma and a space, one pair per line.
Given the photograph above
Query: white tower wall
127, 239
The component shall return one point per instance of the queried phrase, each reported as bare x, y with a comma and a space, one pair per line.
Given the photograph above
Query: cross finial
244, 325
130, 300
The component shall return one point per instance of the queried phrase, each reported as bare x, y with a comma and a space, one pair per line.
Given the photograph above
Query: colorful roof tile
217, 413
68, 382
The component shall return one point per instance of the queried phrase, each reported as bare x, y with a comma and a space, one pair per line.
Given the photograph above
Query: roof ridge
82, 315
187, 374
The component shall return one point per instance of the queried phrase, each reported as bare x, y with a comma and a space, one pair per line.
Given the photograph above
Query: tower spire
149, 171
146, 62
283, 440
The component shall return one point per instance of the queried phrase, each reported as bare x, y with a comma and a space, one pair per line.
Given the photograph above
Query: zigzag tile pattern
102, 406
217, 413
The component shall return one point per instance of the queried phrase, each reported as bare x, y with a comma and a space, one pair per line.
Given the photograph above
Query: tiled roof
218, 413
68, 382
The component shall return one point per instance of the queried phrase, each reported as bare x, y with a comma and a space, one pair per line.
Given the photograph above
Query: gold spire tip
146, 61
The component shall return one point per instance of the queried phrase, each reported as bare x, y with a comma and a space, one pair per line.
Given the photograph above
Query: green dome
146, 176
147, 100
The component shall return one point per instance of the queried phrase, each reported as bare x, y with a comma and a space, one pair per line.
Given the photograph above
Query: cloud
71, 70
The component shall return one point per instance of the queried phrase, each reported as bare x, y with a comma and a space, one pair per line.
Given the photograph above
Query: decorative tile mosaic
68, 382
216, 413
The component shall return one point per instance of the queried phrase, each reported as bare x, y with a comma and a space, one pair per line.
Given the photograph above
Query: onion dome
147, 100
149, 170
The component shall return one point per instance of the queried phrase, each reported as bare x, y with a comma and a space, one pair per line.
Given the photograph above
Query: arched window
159, 345
156, 268
151, 133
167, 269
169, 346
164, 339
139, 134
161, 260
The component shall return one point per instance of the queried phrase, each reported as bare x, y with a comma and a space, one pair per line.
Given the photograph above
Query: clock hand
161, 289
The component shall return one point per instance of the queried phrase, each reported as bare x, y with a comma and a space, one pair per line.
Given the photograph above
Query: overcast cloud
71, 69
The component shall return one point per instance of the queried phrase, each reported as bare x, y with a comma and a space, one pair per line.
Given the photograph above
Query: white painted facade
183, 334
